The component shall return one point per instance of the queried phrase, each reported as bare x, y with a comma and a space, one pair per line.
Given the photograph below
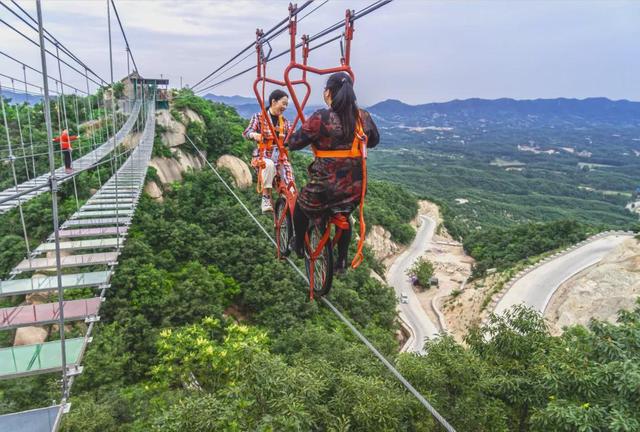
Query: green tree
422, 270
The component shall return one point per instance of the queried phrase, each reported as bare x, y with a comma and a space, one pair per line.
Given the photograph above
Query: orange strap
358, 149
354, 152
357, 260
263, 147
267, 144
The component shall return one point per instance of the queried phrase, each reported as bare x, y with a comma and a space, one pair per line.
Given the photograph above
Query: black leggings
301, 225
67, 158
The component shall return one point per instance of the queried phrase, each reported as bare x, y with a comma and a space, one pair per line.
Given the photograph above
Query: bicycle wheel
283, 227
323, 265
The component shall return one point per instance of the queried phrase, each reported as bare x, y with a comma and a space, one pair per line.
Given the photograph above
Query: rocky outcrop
170, 170
132, 140
238, 169
379, 241
174, 130
191, 116
153, 190
91, 126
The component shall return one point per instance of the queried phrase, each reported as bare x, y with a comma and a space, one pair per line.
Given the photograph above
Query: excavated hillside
599, 291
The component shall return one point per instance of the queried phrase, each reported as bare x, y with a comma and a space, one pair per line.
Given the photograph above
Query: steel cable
330, 305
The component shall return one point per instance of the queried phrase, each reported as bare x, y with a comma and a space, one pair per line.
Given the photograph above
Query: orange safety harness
266, 145
358, 150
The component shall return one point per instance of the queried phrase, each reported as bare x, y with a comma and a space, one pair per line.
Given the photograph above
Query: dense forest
501, 248
204, 330
505, 162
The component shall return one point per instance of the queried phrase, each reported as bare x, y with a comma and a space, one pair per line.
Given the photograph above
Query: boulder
174, 130
188, 161
192, 116
238, 169
153, 190
30, 336
379, 241
170, 170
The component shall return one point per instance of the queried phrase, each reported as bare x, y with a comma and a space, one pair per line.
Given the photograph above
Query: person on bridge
65, 145
335, 182
266, 157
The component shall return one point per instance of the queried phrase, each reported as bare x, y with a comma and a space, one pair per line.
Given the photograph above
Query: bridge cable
24, 65
66, 126
15, 178
50, 38
93, 126
46, 50
24, 152
124, 35
29, 109
113, 117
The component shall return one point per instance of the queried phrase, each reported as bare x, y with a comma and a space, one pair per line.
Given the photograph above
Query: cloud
416, 51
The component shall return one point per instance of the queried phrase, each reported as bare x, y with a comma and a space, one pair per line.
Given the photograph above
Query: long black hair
344, 102
276, 95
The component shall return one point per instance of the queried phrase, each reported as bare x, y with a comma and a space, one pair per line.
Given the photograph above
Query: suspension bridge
82, 251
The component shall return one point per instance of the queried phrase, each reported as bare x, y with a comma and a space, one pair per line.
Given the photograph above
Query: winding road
412, 313
536, 288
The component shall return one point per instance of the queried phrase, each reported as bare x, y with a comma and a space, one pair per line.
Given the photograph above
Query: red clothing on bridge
65, 140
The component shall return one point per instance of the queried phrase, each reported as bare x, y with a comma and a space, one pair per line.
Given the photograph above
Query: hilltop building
135, 86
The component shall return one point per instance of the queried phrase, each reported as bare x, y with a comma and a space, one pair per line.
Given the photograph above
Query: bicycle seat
340, 221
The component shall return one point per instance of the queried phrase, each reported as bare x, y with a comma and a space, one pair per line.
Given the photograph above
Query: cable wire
281, 31
124, 35
330, 305
52, 39
24, 65
46, 50
361, 13
252, 44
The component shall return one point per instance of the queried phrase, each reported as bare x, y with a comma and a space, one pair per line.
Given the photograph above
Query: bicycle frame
289, 193
341, 224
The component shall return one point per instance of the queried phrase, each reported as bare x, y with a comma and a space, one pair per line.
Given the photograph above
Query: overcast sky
413, 50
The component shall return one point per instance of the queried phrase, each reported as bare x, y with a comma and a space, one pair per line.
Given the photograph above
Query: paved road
412, 313
536, 288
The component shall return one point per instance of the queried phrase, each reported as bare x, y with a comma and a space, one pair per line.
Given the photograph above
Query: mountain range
508, 112
480, 112
17, 97
504, 111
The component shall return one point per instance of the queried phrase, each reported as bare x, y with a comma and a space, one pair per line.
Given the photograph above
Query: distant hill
246, 106
230, 100
19, 97
509, 112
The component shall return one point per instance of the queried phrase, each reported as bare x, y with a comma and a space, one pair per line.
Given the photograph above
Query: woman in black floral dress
335, 184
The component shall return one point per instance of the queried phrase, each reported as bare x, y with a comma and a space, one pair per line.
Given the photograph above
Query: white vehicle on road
411, 311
